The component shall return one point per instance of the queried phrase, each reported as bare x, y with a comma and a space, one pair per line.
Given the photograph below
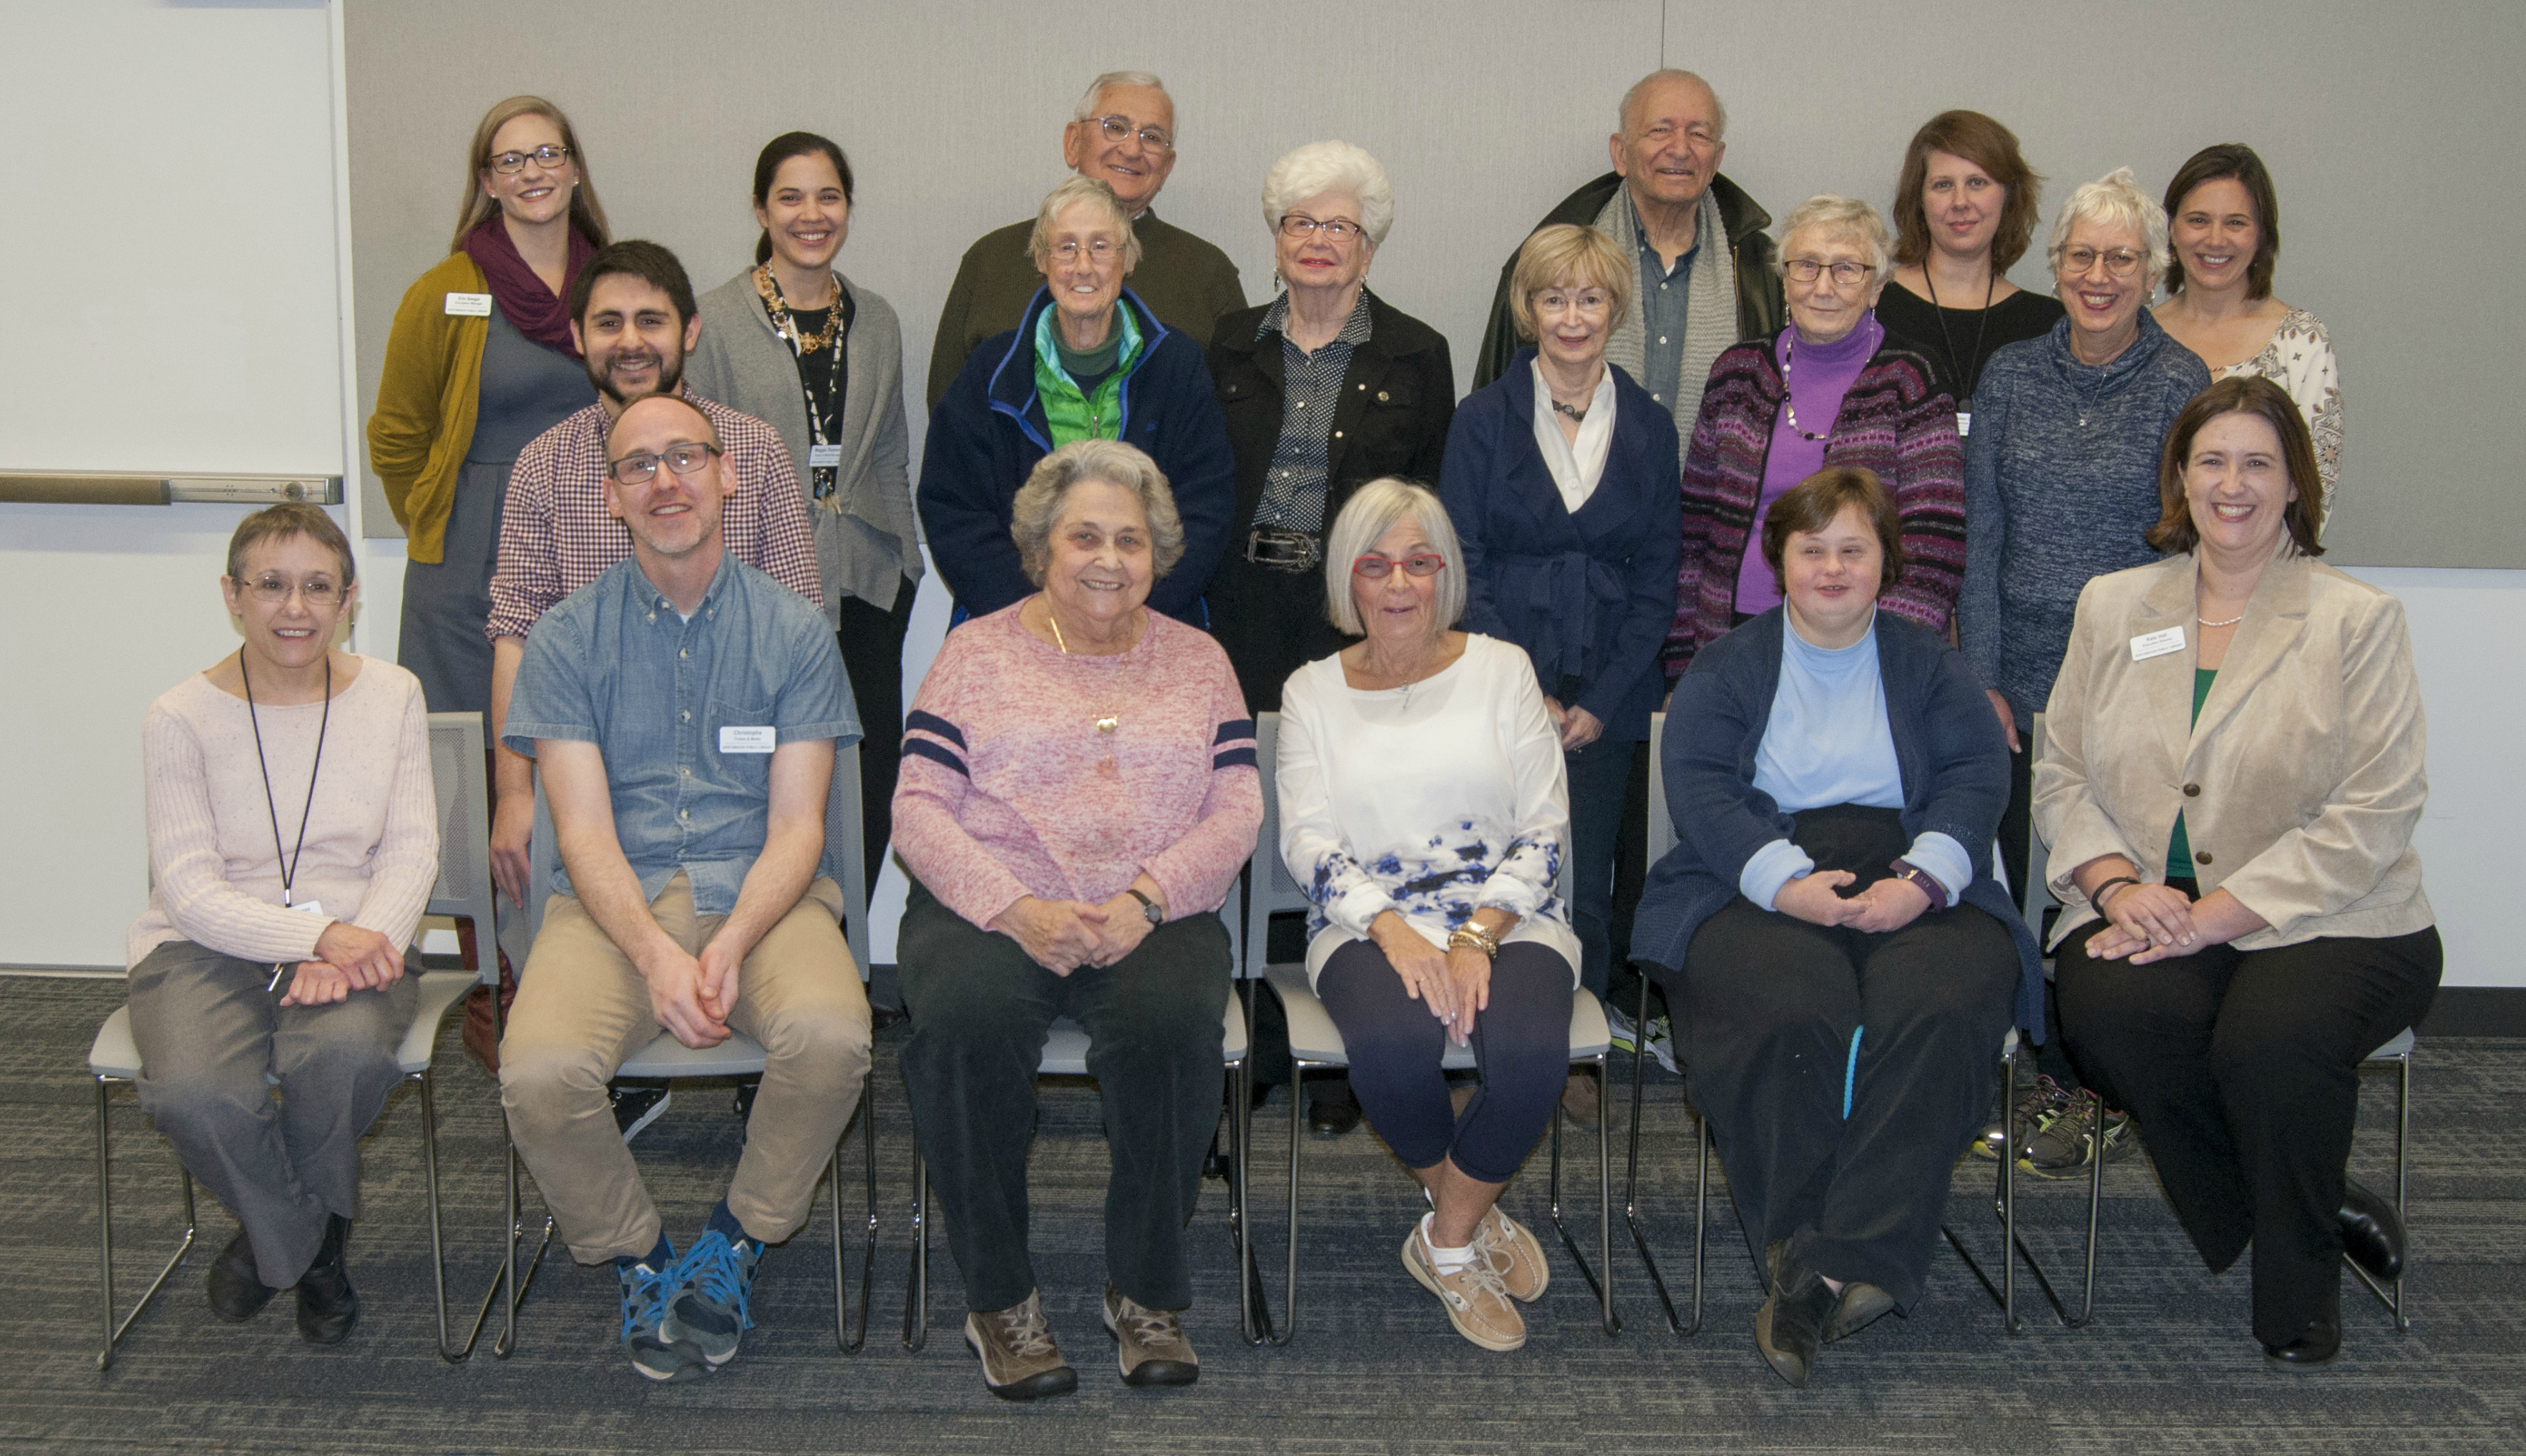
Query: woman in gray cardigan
792, 342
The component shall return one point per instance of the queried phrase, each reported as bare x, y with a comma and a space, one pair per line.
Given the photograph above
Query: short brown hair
1566, 253
2241, 395
635, 257
586, 214
1812, 504
2232, 159
1986, 144
281, 521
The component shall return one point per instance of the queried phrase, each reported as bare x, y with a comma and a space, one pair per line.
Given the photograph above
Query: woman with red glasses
1423, 808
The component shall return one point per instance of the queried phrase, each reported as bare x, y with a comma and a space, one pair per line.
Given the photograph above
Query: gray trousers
212, 1040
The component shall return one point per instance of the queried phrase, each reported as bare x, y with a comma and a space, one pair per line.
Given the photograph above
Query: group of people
1768, 485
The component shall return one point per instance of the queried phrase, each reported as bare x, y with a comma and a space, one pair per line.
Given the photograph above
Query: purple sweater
1893, 421
1825, 376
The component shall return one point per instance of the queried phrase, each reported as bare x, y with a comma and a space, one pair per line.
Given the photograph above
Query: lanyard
822, 480
1982, 324
289, 865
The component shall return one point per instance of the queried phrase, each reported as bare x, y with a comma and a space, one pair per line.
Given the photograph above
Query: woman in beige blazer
2229, 787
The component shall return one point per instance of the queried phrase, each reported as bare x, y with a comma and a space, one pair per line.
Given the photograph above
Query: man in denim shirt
684, 709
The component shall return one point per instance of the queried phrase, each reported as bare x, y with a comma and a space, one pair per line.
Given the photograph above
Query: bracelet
2097, 897
1470, 935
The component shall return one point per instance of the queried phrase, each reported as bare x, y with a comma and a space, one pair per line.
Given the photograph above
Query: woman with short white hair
2061, 468
1422, 810
1828, 389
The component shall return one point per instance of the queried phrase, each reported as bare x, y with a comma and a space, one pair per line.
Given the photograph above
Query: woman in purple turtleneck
1828, 389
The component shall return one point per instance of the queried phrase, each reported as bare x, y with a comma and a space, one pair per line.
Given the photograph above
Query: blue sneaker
708, 1311
655, 1355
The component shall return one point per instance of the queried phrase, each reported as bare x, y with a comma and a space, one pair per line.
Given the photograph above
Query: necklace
289, 864
1964, 381
1107, 720
1559, 408
1788, 397
768, 288
2230, 621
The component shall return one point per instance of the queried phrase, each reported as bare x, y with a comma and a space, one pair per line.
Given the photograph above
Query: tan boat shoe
1476, 1304
1150, 1343
1514, 1254
1020, 1361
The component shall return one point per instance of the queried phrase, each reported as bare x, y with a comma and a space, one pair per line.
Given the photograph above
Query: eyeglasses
1335, 230
1117, 128
546, 156
318, 592
1100, 251
640, 469
1378, 568
2121, 262
1806, 270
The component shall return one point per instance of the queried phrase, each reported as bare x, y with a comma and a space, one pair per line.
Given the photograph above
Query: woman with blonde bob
2232, 774
1422, 810
479, 362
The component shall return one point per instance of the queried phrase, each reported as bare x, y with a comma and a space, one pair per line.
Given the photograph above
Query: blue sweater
989, 431
1589, 595
2052, 504
1953, 761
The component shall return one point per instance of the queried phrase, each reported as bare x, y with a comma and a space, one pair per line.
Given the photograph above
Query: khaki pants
582, 1009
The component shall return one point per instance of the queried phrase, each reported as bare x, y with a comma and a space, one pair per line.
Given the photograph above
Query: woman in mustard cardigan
481, 362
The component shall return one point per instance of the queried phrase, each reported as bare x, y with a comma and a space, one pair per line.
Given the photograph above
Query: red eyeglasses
1419, 563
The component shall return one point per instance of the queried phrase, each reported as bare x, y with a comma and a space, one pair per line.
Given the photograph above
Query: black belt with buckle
1276, 549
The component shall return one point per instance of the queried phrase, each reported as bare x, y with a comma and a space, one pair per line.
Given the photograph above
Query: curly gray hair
1037, 510
2115, 200
1322, 167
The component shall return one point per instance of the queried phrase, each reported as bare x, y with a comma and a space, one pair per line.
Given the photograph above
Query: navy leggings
1520, 1050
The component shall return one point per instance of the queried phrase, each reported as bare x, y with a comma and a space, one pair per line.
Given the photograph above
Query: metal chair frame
463, 890
667, 1059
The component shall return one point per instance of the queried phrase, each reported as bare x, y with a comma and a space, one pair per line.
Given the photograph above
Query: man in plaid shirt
634, 318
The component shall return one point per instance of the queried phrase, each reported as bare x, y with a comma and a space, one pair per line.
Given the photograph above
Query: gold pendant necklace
1109, 721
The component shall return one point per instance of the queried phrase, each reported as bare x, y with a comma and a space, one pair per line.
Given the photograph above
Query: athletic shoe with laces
2065, 1143
1150, 1343
1626, 1038
646, 1293
1515, 1256
1020, 1361
637, 1104
1475, 1302
709, 1308
2037, 1106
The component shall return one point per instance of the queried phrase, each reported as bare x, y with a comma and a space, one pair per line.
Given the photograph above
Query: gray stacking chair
1315, 1043
667, 1059
463, 890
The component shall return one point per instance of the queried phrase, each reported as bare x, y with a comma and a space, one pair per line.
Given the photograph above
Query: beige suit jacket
2302, 781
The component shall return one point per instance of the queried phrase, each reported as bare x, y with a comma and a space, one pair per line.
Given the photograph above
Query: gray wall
2390, 129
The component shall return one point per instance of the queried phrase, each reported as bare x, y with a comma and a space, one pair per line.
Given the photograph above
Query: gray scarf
1710, 323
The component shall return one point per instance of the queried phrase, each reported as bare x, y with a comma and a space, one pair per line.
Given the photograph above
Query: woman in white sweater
293, 841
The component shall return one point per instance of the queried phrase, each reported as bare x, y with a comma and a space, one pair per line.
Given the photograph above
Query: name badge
470, 305
734, 740
2156, 644
309, 907
823, 457
1964, 423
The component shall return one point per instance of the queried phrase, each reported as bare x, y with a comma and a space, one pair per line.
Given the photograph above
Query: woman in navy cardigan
1561, 480
1839, 960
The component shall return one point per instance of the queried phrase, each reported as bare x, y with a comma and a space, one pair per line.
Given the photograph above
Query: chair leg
1700, 1216
1631, 1173
1253, 1315
868, 1183
437, 1234
505, 1277
1602, 1289
2389, 1292
1297, 1143
114, 1333
916, 1286
2004, 1207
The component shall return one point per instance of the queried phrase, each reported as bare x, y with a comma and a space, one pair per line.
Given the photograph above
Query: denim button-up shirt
612, 665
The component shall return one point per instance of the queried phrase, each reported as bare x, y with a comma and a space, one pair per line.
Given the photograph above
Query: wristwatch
1921, 880
1150, 910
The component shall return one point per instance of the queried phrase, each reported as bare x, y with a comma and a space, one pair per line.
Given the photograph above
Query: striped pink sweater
1893, 421
1009, 789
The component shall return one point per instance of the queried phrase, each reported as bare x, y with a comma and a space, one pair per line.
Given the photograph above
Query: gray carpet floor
2167, 1365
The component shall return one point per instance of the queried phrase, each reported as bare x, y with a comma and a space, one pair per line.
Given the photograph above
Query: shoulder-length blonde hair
1566, 255
1372, 510
586, 214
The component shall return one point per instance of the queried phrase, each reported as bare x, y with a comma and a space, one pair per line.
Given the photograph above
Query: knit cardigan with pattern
1893, 421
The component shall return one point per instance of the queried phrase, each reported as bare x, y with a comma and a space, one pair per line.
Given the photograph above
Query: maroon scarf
531, 307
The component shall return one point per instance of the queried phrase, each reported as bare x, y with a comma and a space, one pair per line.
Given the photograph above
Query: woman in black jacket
1326, 388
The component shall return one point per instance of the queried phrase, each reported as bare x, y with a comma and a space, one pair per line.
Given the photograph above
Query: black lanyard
289, 866
1982, 324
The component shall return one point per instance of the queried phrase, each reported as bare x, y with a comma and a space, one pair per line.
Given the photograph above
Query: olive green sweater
426, 393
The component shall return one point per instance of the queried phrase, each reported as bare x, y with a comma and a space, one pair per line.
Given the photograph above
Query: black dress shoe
1790, 1324
238, 1292
328, 1306
2372, 1232
2321, 1341
1327, 1119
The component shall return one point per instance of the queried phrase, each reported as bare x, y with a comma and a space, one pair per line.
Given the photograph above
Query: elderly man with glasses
1122, 135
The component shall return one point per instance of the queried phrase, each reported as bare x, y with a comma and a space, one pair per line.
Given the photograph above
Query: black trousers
2243, 1071
979, 1009
872, 644
1843, 1071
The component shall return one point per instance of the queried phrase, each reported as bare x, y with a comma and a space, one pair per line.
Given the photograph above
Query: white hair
1372, 510
2116, 200
1071, 192
1832, 217
1096, 89
1322, 167
1623, 113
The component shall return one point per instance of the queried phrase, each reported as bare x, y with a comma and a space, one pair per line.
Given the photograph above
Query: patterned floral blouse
2299, 358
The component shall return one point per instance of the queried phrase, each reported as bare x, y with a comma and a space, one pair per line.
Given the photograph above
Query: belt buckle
1276, 549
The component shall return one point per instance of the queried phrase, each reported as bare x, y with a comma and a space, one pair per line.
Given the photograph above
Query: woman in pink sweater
1077, 793
293, 840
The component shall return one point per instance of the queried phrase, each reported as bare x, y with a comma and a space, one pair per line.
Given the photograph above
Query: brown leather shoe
1514, 1254
1476, 1304
1020, 1361
1150, 1343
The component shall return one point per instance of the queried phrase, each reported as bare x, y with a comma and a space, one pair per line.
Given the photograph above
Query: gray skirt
446, 605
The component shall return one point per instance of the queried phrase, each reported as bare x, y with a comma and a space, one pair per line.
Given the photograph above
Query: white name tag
747, 740
2156, 644
1964, 422
823, 457
470, 305
309, 907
